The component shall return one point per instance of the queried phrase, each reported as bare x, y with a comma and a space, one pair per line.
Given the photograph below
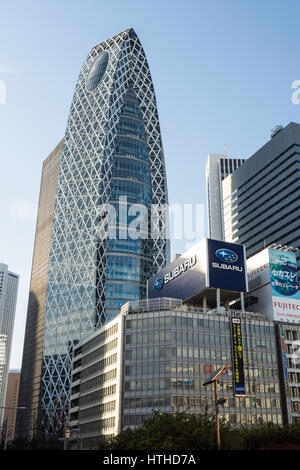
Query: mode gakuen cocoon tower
112, 151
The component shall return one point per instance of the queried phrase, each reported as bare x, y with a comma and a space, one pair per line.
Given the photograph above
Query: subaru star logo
226, 255
158, 283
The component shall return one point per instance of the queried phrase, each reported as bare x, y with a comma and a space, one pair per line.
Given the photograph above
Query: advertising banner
237, 355
284, 285
273, 282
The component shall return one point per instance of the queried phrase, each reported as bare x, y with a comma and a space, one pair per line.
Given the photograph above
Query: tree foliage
182, 431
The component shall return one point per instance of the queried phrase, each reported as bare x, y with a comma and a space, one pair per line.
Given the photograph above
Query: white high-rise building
9, 283
217, 168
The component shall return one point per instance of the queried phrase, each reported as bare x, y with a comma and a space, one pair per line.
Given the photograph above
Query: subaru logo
226, 255
158, 283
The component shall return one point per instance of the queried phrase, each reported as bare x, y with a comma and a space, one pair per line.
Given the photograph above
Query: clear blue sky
222, 71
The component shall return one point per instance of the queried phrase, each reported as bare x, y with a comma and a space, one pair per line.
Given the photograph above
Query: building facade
9, 283
112, 173
27, 425
218, 167
11, 403
156, 355
261, 198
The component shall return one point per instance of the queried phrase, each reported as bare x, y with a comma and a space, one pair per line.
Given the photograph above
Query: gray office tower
109, 220
217, 168
261, 198
9, 283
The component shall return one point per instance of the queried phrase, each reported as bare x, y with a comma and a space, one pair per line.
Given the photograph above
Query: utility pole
216, 383
214, 378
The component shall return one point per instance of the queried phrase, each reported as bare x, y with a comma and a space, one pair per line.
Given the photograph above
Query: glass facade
112, 150
169, 355
128, 261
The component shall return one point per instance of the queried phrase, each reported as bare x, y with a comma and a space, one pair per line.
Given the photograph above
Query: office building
218, 167
261, 198
9, 283
111, 163
28, 424
11, 403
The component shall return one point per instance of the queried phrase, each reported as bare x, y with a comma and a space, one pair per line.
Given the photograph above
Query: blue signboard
226, 268
182, 278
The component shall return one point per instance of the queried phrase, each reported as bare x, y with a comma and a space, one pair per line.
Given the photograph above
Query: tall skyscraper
112, 173
261, 198
9, 283
217, 168
27, 420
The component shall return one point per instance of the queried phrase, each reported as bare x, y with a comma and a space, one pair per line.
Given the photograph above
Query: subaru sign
209, 264
226, 266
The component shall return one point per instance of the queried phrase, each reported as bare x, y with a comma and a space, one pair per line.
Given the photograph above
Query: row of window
96, 410
125, 291
131, 146
100, 338
150, 353
99, 352
127, 268
97, 395
190, 384
192, 402
185, 337
98, 380
131, 126
97, 425
211, 324
165, 368
130, 245
126, 167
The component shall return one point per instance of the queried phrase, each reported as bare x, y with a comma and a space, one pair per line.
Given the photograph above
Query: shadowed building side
27, 420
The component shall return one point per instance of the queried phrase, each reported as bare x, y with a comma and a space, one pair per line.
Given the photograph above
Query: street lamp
214, 378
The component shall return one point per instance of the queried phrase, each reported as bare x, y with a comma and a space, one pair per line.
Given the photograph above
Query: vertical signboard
284, 285
237, 355
226, 266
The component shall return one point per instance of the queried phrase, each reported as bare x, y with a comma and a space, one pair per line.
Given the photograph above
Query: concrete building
156, 355
218, 167
261, 198
9, 283
11, 403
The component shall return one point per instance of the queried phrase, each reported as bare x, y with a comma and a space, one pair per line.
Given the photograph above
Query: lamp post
214, 378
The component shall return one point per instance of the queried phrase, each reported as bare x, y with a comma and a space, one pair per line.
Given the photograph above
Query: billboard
272, 278
183, 277
226, 266
237, 356
284, 285
209, 264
